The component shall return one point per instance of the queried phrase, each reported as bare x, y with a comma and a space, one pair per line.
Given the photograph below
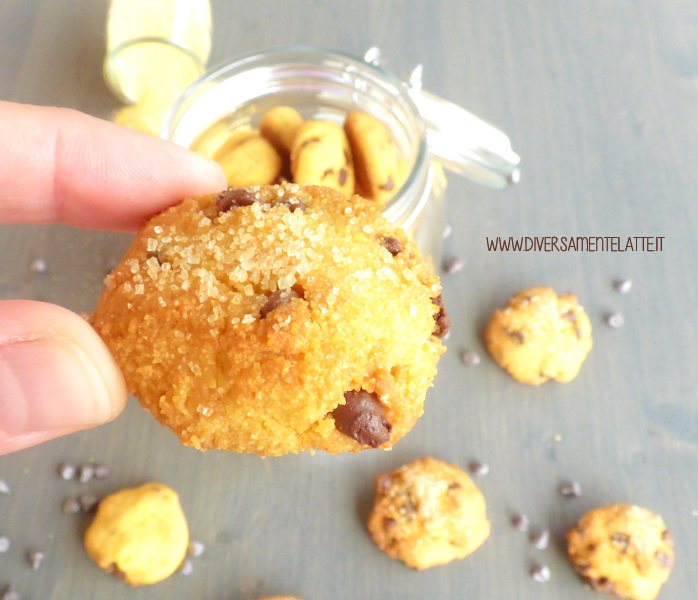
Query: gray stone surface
599, 98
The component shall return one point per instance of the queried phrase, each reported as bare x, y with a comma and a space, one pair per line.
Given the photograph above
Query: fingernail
50, 384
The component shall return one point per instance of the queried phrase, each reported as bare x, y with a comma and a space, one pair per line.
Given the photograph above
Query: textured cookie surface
139, 535
623, 550
275, 320
540, 336
428, 513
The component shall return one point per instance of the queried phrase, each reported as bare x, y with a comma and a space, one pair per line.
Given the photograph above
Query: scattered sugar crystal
140, 288
249, 290
248, 319
157, 229
186, 285
367, 229
162, 301
204, 410
152, 244
413, 310
127, 287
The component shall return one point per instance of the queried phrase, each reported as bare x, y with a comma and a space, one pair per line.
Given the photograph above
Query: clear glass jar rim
218, 70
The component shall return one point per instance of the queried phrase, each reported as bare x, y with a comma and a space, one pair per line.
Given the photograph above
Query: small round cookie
428, 513
540, 336
139, 535
320, 155
249, 159
280, 125
379, 171
274, 320
623, 550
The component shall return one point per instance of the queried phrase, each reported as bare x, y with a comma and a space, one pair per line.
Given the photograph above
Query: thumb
56, 375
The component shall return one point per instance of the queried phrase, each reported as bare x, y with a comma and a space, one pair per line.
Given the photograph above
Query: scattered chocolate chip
478, 469
470, 358
9, 593
443, 323
101, 471
540, 539
570, 316
278, 298
116, 572
342, 177
621, 540
234, 198
4, 487
453, 265
541, 574
312, 140
391, 244
602, 584
615, 320
517, 336
388, 185
362, 418
327, 172
663, 560
70, 506
389, 523
409, 508
87, 502
520, 522
85, 473
293, 204
623, 286
454, 485
195, 548
66, 471
448, 230
186, 568
578, 332
38, 266
571, 490
35, 558
347, 157
4, 544
666, 535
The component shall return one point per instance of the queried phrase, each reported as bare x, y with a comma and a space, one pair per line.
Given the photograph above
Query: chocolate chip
362, 418
453, 265
391, 244
540, 539
293, 204
87, 502
85, 473
570, 316
520, 522
278, 298
9, 593
540, 574
195, 548
343, 174
70, 506
571, 490
621, 540
66, 471
115, 572
602, 584
101, 471
443, 323
470, 358
388, 185
35, 559
311, 140
663, 560
347, 156
234, 198
186, 568
454, 485
615, 320
479, 469
4, 487
4, 544
623, 286
327, 172
389, 523
517, 336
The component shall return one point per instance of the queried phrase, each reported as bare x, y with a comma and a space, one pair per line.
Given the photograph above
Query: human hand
61, 166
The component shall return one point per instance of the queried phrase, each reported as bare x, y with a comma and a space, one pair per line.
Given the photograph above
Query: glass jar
153, 44
327, 85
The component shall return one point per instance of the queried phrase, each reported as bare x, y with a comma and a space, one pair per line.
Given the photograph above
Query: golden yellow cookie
428, 513
379, 171
321, 156
539, 336
280, 125
276, 320
623, 550
139, 534
249, 159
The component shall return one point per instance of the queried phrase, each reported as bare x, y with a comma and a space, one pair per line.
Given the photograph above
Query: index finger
61, 166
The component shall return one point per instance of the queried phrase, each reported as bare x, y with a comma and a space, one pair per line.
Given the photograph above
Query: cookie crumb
448, 230
540, 539
4, 487
520, 522
9, 593
479, 469
87, 502
541, 574
470, 358
38, 266
615, 320
187, 568
66, 471
4, 544
101, 471
35, 558
70, 506
623, 286
85, 473
453, 265
571, 490
195, 548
